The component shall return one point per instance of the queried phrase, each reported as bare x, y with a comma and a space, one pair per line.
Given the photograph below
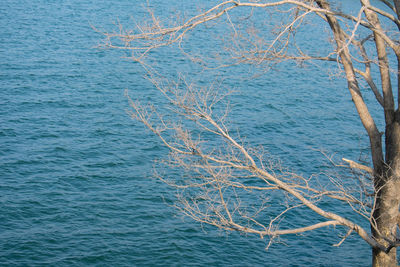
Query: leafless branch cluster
221, 171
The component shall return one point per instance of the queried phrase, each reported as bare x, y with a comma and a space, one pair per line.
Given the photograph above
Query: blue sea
76, 172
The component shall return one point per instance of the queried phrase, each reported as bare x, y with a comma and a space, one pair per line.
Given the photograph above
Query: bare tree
221, 172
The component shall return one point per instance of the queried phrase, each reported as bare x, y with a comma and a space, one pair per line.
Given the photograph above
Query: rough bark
388, 198
384, 216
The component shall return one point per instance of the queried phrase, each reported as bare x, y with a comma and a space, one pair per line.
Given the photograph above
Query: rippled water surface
75, 171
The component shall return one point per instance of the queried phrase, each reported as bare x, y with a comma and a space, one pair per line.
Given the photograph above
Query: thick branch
355, 165
383, 64
362, 109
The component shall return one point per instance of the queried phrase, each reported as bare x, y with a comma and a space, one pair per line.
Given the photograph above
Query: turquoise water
76, 184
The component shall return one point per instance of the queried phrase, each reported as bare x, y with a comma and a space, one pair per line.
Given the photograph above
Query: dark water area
76, 186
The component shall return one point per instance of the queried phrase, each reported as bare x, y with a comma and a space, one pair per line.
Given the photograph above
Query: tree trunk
387, 188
